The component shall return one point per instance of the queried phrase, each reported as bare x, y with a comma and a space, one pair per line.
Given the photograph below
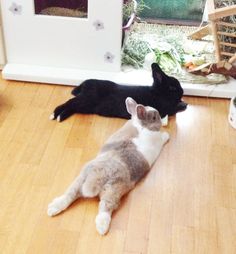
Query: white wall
2, 57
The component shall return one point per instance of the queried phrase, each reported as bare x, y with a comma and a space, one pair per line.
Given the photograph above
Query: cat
106, 98
124, 159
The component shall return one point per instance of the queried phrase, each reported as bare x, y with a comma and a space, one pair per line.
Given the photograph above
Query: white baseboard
74, 77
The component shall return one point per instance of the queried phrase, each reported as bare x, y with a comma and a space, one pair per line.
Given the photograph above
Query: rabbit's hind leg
109, 201
60, 203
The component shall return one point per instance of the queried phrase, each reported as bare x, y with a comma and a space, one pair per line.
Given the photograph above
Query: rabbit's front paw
52, 116
165, 136
164, 121
103, 221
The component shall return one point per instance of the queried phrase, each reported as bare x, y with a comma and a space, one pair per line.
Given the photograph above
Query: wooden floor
186, 204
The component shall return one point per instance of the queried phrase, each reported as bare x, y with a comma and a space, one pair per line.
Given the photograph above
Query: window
177, 10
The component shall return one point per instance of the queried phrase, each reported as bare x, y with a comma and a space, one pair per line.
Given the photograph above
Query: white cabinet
61, 49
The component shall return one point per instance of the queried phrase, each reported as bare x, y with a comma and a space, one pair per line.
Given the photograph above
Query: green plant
132, 6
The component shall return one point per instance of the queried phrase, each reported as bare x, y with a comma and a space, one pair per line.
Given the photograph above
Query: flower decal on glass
16, 9
109, 57
98, 25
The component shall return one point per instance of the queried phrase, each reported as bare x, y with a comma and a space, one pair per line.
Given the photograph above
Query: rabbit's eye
153, 118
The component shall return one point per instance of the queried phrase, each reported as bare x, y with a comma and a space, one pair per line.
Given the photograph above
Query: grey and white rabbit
123, 160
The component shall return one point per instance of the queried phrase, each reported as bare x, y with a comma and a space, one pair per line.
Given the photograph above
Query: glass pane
65, 8
173, 9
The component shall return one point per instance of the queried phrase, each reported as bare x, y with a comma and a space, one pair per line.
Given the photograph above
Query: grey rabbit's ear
130, 105
141, 112
157, 73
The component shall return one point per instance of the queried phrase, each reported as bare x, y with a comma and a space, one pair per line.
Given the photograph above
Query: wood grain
186, 204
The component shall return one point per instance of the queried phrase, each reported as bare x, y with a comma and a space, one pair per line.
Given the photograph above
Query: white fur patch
52, 116
57, 205
148, 142
148, 108
164, 120
103, 220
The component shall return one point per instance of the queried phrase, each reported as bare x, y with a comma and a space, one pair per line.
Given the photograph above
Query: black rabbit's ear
157, 68
157, 73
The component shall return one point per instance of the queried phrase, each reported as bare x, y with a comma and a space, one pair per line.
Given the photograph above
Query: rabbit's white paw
165, 136
164, 120
57, 205
103, 220
52, 116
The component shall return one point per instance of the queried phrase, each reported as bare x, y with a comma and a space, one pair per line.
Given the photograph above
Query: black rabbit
107, 98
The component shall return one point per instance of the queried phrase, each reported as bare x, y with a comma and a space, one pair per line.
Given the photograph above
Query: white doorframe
2, 54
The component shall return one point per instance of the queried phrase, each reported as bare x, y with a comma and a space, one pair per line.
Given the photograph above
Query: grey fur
134, 161
150, 118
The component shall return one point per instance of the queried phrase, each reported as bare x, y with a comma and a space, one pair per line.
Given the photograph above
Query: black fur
107, 98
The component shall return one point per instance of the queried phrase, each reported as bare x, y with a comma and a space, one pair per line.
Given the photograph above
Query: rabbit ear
141, 112
157, 73
130, 105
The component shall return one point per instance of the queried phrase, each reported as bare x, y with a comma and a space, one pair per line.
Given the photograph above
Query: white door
33, 40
